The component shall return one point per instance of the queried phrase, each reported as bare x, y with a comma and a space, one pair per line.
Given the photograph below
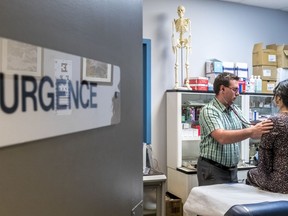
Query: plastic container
258, 85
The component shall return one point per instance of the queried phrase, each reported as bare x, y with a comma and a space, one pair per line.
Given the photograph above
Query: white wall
221, 30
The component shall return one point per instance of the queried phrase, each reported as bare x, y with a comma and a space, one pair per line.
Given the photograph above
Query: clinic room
144, 107
219, 68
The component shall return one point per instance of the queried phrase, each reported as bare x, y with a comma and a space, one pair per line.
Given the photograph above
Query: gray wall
222, 30
96, 172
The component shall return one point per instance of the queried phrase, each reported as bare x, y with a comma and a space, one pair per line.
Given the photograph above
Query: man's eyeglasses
235, 90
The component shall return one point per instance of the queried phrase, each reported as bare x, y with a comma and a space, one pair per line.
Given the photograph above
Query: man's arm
231, 136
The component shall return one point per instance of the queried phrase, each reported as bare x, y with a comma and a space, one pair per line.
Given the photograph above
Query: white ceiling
274, 4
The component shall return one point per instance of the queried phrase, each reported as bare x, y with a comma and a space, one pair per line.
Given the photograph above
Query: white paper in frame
96, 71
21, 58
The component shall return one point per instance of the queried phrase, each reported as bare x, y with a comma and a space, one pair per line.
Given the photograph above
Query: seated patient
271, 173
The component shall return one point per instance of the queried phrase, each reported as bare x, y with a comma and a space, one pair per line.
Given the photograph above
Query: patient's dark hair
281, 90
223, 79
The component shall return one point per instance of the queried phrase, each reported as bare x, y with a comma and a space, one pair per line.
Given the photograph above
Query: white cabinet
180, 183
182, 144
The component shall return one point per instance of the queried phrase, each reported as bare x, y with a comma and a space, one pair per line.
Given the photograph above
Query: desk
157, 182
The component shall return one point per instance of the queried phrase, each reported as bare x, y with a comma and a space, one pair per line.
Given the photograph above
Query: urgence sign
46, 93
37, 95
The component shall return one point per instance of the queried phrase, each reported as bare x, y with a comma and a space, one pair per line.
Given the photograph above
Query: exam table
234, 200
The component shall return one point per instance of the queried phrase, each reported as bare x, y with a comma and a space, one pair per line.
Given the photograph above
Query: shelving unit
182, 144
176, 135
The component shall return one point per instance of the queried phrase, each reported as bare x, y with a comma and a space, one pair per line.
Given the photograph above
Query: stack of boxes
214, 67
282, 62
265, 65
269, 63
198, 83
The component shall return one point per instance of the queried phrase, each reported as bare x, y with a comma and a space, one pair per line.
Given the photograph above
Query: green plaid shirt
215, 115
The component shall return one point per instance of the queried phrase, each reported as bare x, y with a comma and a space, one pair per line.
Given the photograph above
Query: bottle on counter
242, 85
258, 85
252, 84
255, 115
251, 115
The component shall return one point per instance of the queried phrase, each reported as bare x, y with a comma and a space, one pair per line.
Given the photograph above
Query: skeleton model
181, 26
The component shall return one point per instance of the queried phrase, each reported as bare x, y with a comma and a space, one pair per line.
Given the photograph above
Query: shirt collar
221, 106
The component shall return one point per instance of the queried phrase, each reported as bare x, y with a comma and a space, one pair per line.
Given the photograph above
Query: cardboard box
211, 77
265, 72
241, 70
282, 74
213, 66
282, 56
268, 86
228, 67
174, 206
264, 57
198, 80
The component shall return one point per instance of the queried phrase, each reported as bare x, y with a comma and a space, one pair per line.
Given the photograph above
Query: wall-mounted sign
46, 93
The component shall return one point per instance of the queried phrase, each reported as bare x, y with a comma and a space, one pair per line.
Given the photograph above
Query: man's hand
261, 128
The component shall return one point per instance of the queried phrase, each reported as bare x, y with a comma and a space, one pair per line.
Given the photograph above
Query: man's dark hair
281, 90
223, 79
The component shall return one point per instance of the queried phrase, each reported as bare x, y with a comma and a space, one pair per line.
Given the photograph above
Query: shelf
190, 134
195, 104
187, 170
269, 108
194, 171
212, 92
154, 178
188, 138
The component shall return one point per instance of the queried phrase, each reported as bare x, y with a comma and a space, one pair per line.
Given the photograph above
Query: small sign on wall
63, 72
67, 94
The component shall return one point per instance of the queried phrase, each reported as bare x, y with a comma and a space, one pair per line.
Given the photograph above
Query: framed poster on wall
96, 71
21, 58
